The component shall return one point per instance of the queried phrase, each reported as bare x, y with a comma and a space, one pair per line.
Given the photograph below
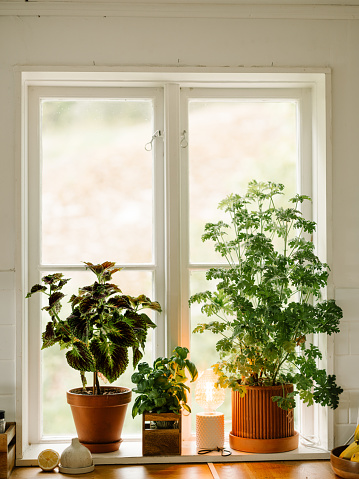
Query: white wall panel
7, 342
7, 377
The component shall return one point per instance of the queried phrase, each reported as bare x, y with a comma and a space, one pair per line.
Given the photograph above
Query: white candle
209, 430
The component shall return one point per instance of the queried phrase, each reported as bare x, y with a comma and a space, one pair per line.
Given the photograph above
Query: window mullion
173, 209
159, 284
185, 247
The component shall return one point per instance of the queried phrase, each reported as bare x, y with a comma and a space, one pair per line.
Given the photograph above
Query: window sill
130, 453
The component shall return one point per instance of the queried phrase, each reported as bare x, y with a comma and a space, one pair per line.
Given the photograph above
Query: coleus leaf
121, 302
122, 334
137, 356
48, 336
111, 359
78, 324
35, 289
80, 358
52, 278
86, 304
55, 298
96, 268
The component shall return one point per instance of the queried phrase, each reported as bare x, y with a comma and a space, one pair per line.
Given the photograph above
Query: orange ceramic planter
259, 425
99, 419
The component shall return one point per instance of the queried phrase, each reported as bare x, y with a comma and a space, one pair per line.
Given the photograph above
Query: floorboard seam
213, 470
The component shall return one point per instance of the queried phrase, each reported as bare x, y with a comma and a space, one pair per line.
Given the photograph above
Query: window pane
96, 181
231, 143
58, 377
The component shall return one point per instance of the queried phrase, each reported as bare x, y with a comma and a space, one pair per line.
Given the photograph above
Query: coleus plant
161, 387
104, 323
268, 299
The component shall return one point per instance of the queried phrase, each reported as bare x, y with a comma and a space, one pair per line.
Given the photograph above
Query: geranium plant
268, 299
103, 325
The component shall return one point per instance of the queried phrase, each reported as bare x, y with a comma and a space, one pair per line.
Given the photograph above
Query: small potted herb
265, 309
103, 325
162, 395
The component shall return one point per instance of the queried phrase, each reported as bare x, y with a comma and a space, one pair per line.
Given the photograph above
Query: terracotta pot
259, 425
99, 419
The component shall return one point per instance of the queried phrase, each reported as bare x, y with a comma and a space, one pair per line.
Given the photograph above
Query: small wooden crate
7, 450
161, 442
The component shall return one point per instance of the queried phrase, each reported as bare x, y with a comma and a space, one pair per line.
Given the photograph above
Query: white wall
58, 40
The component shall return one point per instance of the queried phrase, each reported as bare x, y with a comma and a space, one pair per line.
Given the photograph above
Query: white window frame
315, 97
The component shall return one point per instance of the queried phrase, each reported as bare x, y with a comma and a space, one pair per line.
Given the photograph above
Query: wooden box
161, 442
7, 450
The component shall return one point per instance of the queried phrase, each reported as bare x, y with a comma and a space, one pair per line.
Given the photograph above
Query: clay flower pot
99, 419
259, 425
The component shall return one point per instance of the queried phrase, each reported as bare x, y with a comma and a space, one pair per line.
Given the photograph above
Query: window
232, 140
130, 172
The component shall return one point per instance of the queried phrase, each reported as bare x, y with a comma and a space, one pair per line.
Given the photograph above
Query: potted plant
162, 397
265, 309
103, 325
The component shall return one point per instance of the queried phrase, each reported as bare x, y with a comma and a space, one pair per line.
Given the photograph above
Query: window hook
184, 141
149, 145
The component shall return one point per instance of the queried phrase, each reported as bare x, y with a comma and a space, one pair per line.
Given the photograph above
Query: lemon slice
48, 459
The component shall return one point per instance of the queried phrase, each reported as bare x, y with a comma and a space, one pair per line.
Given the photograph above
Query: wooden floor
249, 470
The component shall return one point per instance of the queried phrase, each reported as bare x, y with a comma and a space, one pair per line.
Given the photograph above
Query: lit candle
209, 424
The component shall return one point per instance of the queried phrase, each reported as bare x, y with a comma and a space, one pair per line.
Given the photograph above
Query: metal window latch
149, 145
184, 140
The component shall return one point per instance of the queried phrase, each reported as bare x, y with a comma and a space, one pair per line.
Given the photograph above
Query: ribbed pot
258, 424
99, 419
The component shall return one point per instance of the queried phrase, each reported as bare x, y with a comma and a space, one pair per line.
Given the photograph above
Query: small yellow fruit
350, 450
48, 459
355, 457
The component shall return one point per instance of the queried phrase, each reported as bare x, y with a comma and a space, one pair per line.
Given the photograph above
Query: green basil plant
161, 387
